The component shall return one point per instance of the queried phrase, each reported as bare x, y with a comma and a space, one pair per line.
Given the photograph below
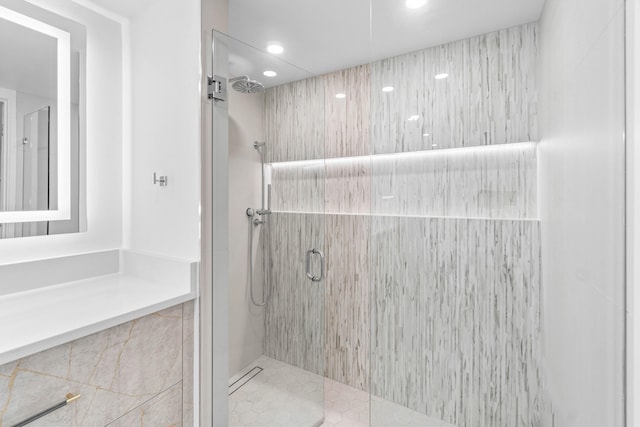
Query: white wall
104, 145
165, 62
582, 209
246, 321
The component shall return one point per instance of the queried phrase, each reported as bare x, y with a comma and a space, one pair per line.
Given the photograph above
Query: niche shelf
487, 182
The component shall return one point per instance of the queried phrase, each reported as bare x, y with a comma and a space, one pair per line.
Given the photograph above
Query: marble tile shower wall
432, 293
294, 117
295, 313
300, 116
455, 315
346, 124
346, 293
321, 327
490, 96
138, 373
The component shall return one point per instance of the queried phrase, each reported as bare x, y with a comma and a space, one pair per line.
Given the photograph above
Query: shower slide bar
69, 398
263, 212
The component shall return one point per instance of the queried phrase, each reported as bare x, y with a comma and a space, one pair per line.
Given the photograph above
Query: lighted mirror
40, 109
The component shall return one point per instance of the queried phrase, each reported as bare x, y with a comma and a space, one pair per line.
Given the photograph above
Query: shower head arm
235, 79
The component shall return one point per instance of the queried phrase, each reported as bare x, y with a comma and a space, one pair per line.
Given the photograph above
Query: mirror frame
63, 211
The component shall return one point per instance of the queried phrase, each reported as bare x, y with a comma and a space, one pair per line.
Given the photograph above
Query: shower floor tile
345, 406
279, 396
385, 413
285, 396
349, 407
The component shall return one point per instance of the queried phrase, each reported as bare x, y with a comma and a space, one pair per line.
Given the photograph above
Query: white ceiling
327, 35
321, 36
124, 8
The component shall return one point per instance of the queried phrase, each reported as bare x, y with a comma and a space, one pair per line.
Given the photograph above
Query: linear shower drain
235, 386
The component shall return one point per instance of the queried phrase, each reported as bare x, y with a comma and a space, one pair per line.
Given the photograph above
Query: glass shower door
295, 313
276, 143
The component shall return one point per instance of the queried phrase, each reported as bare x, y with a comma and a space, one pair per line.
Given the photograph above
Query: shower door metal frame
213, 310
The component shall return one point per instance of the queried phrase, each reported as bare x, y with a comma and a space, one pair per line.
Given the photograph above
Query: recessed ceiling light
415, 4
387, 89
270, 73
442, 76
341, 95
425, 134
275, 48
413, 118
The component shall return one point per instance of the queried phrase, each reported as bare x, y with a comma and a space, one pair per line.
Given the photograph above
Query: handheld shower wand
254, 222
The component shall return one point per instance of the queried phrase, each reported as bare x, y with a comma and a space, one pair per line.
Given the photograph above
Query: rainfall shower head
245, 85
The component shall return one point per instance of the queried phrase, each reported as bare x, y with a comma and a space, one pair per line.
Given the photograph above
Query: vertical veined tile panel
348, 185
397, 116
456, 319
294, 317
304, 120
444, 103
298, 186
347, 300
279, 121
508, 61
309, 120
346, 122
490, 96
294, 121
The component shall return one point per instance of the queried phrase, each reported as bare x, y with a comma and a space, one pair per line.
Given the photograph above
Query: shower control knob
250, 212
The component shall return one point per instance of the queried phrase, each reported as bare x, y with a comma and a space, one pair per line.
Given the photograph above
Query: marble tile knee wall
143, 366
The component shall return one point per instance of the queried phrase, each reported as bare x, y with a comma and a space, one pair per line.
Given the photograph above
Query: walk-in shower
406, 212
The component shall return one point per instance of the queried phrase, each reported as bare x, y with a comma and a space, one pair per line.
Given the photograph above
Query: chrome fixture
161, 180
310, 275
254, 222
245, 85
253, 372
217, 88
263, 212
261, 148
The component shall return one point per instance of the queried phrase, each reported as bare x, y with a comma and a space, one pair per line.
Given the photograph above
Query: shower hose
252, 224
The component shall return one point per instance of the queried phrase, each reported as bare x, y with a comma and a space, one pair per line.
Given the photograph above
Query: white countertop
39, 319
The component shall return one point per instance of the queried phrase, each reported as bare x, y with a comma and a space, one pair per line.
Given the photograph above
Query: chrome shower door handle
310, 275
319, 252
308, 263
